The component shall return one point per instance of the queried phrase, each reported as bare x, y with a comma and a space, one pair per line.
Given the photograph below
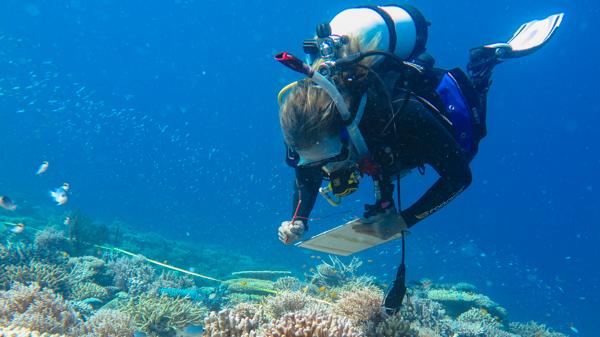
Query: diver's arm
443, 153
306, 190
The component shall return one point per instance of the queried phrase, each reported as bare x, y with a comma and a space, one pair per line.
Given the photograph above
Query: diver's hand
290, 232
381, 228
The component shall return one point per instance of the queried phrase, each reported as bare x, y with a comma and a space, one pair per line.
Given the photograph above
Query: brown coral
84, 268
38, 309
109, 323
285, 302
46, 275
360, 305
86, 290
133, 275
160, 316
311, 325
392, 326
228, 324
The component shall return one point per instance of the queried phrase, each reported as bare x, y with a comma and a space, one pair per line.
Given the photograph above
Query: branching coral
23, 332
287, 283
46, 275
392, 326
38, 309
311, 325
86, 290
425, 312
84, 268
360, 305
49, 242
160, 316
109, 323
171, 280
16, 253
533, 329
335, 273
285, 302
228, 324
133, 275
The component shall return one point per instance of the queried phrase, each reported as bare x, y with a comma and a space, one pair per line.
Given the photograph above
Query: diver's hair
307, 116
308, 113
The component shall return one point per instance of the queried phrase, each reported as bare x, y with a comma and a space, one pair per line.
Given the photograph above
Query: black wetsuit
409, 134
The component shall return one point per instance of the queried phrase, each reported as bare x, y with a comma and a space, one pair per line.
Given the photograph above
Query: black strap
391, 26
401, 276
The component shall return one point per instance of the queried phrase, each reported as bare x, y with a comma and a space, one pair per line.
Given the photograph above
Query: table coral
250, 286
456, 302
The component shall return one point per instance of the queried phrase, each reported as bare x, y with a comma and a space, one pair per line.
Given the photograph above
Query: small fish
15, 227
60, 194
67, 221
212, 296
7, 204
322, 288
243, 283
43, 167
574, 329
370, 260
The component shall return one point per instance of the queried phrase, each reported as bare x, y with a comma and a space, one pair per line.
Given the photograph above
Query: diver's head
310, 122
312, 126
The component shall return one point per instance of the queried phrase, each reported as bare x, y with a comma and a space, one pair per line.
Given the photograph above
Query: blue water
164, 114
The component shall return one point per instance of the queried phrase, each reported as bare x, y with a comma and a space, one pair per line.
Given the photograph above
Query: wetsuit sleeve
443, 153
306, 189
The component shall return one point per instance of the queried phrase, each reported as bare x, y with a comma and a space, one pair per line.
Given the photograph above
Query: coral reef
84, 268
160, 316
456, 302
49, 243
24, 332
87, 290
16, 253
133, 275
287, 283
109, 323
39, 310
392, 326
171, 279
46, 275
533, 329
285, 302
360, 305
335, 273
311, 325
228, 324
83, 295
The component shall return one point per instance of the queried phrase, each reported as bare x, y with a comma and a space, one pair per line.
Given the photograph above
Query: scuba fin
528, 38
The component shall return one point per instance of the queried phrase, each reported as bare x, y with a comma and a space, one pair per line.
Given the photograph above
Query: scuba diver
373, 104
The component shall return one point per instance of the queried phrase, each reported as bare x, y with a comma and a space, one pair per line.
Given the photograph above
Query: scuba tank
398, 29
